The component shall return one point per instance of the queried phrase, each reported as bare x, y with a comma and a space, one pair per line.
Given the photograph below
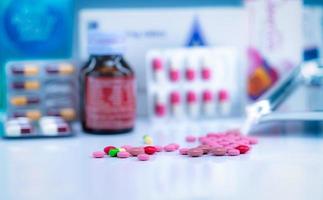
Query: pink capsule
174, 75
98, 154
183, 151
160, 109
207, 96
206, 73
190, 74
157, 64
190, 138
233, 152
223, 95
191, 97
123, 154
143, 157
175, 98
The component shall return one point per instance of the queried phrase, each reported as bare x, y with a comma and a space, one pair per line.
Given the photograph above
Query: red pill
108, 148
150, 150
243, 149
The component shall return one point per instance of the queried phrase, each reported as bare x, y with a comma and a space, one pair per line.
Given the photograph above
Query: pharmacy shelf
288, 167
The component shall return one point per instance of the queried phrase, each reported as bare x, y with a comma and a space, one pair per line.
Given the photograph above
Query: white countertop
62, 168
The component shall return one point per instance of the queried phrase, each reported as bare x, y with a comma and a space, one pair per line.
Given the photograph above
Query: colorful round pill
148, 140
98, 154
233, 152
143, 157
123, 154
108, 148
218, 151
195, 152
243, 149
183, 151
150, 150
135, 151
113, 152
190, 138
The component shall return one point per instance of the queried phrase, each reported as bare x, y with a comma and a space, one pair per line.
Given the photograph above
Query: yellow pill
31, 70
68, 114
66, 68
19, 101
32, 85
33, 114
148, 140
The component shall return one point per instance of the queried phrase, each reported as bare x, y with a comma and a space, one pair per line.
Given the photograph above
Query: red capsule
243, 149
108, 148
150, 150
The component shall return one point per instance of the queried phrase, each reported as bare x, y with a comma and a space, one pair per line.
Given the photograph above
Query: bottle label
110, 102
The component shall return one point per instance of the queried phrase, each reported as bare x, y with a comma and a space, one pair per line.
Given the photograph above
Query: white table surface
288, 168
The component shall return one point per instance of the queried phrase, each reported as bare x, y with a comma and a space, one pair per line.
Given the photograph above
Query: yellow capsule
19, 101
66, 68
31, 85
33, 114
68, 114
31, 70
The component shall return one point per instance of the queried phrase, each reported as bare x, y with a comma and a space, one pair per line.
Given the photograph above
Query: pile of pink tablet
229, 143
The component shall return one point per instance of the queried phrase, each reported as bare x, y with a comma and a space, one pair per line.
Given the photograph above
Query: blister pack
193, 83
38, 91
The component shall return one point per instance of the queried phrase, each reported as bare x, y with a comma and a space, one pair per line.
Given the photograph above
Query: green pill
113, 152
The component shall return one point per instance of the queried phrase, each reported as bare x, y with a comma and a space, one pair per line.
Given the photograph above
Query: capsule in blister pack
36, 89
197, 83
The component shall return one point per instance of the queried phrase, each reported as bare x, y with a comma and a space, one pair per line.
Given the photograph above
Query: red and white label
110, 102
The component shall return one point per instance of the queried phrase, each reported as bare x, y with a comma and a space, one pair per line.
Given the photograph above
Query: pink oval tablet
169, 148
218, 151
175, 145
183, 151
98, 154
205, 148
190, 138
143, 157
233, 152
159, 148
195, 152
126, 147
135, 151
123, 154
252, 140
